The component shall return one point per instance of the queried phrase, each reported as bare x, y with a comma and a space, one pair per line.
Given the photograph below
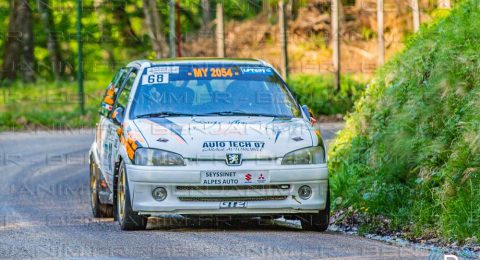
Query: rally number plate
233, 204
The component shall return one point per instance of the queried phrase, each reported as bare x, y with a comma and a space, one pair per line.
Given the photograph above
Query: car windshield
212, 89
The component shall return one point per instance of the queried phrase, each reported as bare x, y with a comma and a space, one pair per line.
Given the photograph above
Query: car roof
149, 63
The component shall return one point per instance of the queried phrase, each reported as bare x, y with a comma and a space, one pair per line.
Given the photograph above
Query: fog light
159, 193
305, 192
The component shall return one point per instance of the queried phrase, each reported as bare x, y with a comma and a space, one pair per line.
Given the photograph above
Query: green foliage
106, 35
49, 105
320, 95
409, 151
367, 33
239, 10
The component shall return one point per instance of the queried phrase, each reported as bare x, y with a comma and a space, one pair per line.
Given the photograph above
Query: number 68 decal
154, 79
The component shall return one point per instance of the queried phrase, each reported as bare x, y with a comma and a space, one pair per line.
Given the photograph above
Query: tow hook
295, 199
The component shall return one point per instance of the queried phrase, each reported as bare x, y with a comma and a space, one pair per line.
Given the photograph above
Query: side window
122, 100
111, 92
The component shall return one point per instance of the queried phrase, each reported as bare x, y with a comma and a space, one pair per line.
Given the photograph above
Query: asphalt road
45, 213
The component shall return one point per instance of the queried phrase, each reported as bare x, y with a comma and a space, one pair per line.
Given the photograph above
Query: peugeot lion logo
234, 159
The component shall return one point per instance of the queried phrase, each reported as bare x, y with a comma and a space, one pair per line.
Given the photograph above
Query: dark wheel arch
99, 210
115, 188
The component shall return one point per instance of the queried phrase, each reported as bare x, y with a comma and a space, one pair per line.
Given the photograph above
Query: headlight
311, 155
154, 157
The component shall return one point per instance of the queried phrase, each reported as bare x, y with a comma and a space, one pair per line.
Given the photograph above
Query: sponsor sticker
107, 106
256, 70
212, 73
165, 69
232, 146
234, 177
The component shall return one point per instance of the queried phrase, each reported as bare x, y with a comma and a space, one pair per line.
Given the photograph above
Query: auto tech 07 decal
232, 146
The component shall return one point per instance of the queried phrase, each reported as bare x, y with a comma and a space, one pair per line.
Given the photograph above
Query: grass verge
49, 105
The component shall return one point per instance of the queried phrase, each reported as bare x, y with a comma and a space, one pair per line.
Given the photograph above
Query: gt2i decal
232, 146
212, 73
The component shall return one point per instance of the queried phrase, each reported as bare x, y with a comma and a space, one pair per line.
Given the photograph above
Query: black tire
99, 210
317, 221
126, 217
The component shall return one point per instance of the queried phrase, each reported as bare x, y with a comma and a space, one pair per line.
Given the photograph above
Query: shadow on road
217, 223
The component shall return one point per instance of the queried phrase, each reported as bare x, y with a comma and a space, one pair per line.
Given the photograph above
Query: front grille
222, 199
220, 188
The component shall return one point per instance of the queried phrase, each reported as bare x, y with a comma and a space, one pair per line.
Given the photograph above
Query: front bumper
187, 196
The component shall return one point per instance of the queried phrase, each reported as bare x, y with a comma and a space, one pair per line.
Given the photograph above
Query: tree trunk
52, 41
154, 25
172, 31
381, 40
206, 16
105, 29
220, 34
416, 15
336, 43
123, 21
178, 29
292, 9
13, 45
266, 9
282, 23
28, 43
19, 46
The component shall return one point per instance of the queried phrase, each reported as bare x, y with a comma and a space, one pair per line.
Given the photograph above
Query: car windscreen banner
166, 73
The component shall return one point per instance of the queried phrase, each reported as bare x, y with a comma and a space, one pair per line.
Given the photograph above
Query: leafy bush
46, 104
409, 151
320, 95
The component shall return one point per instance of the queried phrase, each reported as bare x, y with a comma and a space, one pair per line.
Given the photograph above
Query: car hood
214, 137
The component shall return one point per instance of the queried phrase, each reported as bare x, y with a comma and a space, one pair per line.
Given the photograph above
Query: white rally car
206, 137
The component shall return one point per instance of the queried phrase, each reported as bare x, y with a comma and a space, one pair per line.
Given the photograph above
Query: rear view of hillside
409, 154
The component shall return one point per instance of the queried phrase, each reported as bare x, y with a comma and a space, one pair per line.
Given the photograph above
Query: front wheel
127, 218
317, 221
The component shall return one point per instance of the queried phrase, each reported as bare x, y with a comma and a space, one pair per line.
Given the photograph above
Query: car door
106, 107
112, 140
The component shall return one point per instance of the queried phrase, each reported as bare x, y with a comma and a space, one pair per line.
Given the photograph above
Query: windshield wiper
242, 113
163, 114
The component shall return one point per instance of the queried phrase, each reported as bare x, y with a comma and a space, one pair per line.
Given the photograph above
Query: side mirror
306, 111
118, 115
309, 114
